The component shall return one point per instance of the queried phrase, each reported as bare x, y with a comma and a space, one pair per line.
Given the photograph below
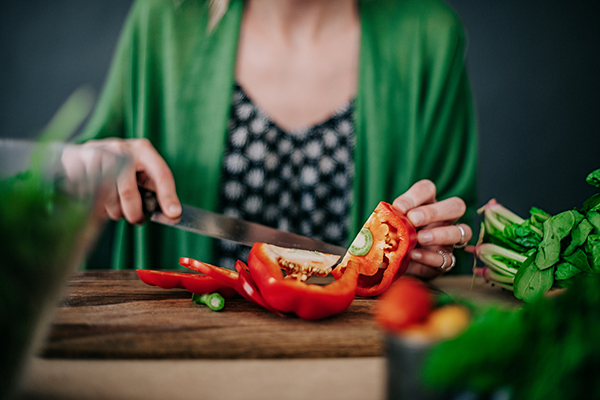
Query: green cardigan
171, 81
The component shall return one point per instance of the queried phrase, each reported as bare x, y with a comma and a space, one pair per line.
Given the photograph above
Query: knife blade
208, 223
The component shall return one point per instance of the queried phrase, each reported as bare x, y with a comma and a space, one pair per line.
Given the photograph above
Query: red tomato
407, 301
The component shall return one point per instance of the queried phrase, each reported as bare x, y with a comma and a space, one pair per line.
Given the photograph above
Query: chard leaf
578, 236
579, 259
565, 270
594, 178
592, 248
531, 282
555, 229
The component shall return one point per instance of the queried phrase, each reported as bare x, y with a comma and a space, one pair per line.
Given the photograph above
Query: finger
422, 271
434, 257
114, 213
156, 175
112, 205
130, 199
446, 235
422, 192
446, 210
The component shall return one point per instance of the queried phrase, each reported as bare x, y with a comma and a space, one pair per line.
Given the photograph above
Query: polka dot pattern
299, 181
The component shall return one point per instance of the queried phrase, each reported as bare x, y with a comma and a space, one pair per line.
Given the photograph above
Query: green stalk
487, 252
496, 216
214, 301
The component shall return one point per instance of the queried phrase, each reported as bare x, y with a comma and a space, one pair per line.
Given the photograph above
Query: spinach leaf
565, 270
578, 236
531, 282
579, 259
593, 217
522, 234
592, 248
555, 229
538, 217
591, 204
594, 178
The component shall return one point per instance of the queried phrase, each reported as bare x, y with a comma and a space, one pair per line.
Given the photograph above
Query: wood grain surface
112, 314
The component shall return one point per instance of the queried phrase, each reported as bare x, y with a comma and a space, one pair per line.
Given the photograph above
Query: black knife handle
149, 201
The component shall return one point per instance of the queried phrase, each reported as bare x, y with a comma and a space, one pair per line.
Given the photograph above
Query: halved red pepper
379, 251
195, 283
291, 294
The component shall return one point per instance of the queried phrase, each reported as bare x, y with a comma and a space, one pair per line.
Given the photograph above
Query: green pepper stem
214, 301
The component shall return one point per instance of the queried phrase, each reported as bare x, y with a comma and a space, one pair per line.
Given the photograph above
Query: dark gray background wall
534, 68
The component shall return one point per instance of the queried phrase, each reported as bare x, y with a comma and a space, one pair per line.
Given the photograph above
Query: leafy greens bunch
531, 256
546, 350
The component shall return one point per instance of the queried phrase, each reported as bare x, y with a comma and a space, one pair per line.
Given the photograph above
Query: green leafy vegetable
565, 271
532, 282
594, 178
564, 246
547, 350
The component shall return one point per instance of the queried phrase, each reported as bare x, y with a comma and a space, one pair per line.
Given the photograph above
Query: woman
255, 95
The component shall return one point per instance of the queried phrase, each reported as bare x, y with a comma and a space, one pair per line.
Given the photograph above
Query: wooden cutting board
112, 314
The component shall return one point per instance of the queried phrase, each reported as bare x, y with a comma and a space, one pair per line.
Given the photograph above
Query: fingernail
401, 206
425, 237
415, 217
174, 209
416, 255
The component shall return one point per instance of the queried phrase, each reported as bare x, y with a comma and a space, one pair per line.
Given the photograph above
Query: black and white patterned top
298, 181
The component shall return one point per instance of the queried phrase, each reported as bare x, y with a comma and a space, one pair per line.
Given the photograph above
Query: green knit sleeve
448, 155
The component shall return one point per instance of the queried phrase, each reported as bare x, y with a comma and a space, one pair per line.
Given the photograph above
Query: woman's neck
298, 59
297, 22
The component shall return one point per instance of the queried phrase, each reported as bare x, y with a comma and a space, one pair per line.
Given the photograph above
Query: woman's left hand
437, 233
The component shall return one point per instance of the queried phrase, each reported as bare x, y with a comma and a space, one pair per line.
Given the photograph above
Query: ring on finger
445, 255
462, 242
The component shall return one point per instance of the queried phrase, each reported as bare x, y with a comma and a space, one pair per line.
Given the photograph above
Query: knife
221, 226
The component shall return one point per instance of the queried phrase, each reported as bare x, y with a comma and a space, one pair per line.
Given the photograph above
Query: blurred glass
52, 199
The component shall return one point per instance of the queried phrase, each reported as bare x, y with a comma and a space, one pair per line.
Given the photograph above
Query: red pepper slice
292, 294
199, 284
225, 276
248, 286
393, 237
240, 282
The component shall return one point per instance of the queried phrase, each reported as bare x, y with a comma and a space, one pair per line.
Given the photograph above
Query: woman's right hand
149, 170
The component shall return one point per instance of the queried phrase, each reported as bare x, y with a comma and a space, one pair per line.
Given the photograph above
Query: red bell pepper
379, 251
291, 294
195, 283
240, 281
249, 287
